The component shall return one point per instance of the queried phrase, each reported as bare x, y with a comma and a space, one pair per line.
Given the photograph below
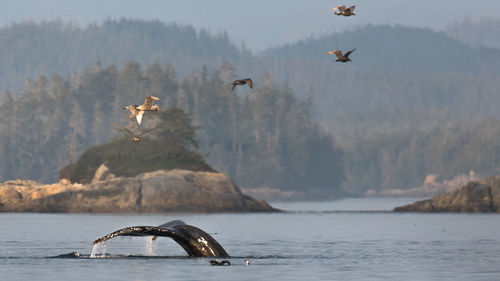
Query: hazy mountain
260, 23
395, 48
394, 102
31, 50
399, 78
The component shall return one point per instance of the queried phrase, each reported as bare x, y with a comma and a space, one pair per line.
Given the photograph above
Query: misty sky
260, 23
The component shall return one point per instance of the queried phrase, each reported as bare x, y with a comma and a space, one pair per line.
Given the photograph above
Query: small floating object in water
68, 255
217, 262
247, 262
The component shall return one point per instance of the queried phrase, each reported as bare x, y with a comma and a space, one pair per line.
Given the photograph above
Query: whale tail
196, 242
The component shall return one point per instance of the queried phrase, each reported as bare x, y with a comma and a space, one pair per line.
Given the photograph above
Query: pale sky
260, 23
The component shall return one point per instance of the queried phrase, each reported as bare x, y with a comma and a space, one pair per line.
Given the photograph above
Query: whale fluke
196, 242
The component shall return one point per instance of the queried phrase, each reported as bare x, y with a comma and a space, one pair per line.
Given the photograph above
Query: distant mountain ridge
395, 48
30, 50
404, 87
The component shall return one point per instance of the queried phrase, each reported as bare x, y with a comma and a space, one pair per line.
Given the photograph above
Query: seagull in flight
137, 111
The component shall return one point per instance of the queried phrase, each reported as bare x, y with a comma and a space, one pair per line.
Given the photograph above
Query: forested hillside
261, 138
392, 48
31, 50
412, 101
399, 78
404, 159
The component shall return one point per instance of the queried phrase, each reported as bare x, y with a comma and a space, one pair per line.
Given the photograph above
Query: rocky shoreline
482, 196
154, 192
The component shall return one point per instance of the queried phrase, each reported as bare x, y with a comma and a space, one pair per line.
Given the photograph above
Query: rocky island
151, 192
163, 172
482, 196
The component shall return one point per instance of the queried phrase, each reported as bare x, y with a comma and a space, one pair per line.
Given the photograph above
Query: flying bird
137, 138
340, 57
343, 11
137, 111
242, 82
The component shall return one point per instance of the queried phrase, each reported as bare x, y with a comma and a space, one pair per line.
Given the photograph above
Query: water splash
150, 246
98, 250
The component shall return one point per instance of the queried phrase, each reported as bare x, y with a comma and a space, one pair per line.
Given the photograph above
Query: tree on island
172, 145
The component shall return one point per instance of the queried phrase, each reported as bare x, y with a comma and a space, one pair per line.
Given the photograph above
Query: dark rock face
155, 192
481, 196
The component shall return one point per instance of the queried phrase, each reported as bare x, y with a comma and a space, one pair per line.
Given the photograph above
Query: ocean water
351, 239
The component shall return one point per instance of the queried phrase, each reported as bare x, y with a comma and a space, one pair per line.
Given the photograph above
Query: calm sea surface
316, 241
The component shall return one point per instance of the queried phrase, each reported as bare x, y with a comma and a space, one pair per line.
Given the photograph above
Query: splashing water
98, 248
150, 246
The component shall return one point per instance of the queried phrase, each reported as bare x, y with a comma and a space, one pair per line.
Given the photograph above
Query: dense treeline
403, 84
400, 77
404, 159
173, 147
263, 138
31, 49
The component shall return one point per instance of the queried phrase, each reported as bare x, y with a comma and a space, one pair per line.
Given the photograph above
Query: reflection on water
297, 245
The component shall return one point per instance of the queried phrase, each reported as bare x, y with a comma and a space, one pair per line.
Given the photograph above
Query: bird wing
132, 111
349, 52
352, 8
341, 8
138, 117
249, 82
147, 132
234, 86
338, 53
129, 132
149, 100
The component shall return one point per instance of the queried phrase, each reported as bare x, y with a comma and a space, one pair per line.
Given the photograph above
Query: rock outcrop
154, 192
481, 196
432, 186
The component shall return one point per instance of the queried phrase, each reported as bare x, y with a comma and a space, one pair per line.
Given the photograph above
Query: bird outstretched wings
242, 82
348, 53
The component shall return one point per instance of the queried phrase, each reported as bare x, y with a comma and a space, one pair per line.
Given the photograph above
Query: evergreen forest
266, 137
412, 102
